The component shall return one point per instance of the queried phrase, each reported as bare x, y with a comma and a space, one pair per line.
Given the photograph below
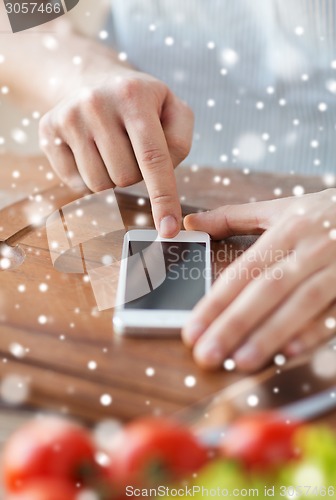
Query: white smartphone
160, 281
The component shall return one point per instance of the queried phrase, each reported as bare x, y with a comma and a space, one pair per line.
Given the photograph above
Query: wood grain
57, 353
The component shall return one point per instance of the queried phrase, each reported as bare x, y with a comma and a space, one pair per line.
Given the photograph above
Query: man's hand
106, 124
124, 127
278, 296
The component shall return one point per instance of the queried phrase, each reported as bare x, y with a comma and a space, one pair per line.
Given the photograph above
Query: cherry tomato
46, 489
152, 451
48, 448
261, 441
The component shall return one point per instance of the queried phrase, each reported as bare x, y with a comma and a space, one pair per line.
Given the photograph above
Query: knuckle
213, 303
181, 147
123, 178
320, 247
295, 267
44, 124
190, 115
92, 102
153, 158
159, 199
263, 350
313, 294
295, 225
237, 324
276, 287
129, 89
45, 130
68, 119
97, 185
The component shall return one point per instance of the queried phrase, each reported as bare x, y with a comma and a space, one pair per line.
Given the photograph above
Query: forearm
42, 65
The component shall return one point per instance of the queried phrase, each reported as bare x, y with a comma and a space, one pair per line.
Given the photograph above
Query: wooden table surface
51, 360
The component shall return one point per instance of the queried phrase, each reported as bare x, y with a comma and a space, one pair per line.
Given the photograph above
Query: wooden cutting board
48, 338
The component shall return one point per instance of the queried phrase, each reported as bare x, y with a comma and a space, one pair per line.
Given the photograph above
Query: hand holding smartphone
161, 280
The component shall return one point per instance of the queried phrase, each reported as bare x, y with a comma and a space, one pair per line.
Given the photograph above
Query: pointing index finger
151, 151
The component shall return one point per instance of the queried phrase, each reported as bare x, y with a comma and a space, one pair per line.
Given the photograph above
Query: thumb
230, 220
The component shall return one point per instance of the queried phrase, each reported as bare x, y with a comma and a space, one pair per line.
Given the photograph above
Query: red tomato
152, 451
47, 489
261, 441
48, 448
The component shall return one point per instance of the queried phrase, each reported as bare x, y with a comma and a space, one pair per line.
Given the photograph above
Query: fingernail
168, 227
192, 332
248, 354
208, 353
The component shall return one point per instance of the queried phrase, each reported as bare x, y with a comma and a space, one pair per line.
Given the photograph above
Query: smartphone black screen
184, 280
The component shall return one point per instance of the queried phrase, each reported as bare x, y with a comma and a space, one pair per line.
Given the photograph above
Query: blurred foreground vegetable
49, 448
46, 489
52, 459
310, 474
260, 455
154, 451
261, 441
